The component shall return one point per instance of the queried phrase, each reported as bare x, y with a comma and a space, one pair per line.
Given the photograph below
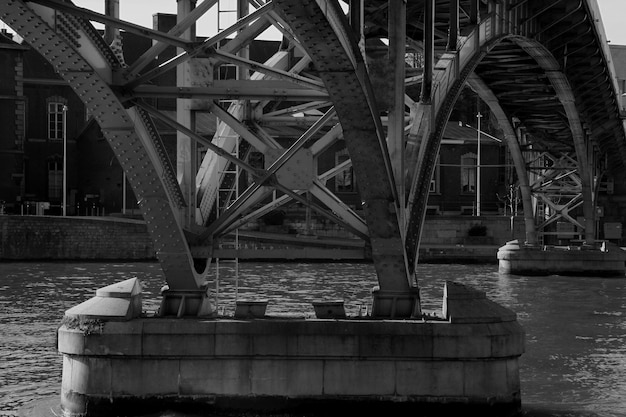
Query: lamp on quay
478, 116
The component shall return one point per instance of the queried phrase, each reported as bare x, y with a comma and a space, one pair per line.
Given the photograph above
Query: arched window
468, 172
55, 117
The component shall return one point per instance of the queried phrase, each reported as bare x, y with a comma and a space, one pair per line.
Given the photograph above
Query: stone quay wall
73, 238
445, 238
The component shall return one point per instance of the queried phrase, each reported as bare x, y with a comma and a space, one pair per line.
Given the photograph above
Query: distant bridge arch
473, 64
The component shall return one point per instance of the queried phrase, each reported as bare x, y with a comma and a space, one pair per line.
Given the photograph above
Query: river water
574, 364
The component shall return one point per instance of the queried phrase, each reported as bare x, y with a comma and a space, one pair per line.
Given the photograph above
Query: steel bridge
341, 72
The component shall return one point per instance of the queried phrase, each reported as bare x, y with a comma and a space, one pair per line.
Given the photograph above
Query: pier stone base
603, 260
466, 356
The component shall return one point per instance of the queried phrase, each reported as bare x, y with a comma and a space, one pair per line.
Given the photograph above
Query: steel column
186, 148
395, 130
429, 51
453, 33
111, 9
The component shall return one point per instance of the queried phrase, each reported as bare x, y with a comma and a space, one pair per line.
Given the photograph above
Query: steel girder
528, 56
113, 93
88, 66
325, 35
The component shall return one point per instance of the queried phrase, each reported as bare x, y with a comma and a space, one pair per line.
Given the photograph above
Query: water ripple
574, 364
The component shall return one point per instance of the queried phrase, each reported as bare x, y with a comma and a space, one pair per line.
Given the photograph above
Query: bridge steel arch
64, 36
512, 141
320, 32
456, 69
89, 68
328, 39
546, 62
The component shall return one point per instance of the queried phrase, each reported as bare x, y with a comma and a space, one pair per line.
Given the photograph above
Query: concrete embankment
445, 239
73, 238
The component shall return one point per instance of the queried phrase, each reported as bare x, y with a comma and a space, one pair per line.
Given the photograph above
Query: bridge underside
375, 80
374, 83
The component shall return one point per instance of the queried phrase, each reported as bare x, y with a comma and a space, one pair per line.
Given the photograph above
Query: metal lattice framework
339, 74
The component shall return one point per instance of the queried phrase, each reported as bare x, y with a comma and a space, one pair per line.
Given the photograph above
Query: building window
344, 181
55, 180
468, 172
55, 118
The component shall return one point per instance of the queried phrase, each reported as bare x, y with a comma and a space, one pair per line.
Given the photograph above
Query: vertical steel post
395, 130
478, 116
186, 148
243, 9
429, 51
356, 22
474, 12
453, 34
111, 9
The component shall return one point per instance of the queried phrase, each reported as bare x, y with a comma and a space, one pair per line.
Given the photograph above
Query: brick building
12, 122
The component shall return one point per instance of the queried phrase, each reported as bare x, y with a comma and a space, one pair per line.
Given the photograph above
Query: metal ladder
227, 194
227, 14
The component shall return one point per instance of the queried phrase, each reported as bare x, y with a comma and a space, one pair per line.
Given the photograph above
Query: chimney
6, 33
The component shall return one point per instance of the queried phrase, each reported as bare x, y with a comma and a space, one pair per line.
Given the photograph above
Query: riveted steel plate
297, 173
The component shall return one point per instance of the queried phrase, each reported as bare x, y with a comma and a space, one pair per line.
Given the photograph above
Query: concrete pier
464, 356
603, 259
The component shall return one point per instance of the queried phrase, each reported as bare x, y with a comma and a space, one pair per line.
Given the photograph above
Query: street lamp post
64, 160
478, 116
124, 192
480, 134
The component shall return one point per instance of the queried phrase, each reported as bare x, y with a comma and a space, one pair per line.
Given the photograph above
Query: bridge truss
339, 78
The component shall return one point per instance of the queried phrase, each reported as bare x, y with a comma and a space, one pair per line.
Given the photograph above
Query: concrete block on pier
331, 309
120, 301
247, 309
462, 304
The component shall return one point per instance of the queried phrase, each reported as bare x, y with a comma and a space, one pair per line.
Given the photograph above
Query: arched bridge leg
89, 71
513, 144
326, 36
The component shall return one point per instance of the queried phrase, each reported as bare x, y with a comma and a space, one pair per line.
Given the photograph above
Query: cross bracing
335, 79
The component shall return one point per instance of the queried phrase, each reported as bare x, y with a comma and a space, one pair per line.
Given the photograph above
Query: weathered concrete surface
115, 302
76, 238
605, 260
467, 358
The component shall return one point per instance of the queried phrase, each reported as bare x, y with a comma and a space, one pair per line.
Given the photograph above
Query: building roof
457, 132
7, 42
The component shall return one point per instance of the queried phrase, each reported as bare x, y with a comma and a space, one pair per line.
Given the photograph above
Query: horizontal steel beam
231, 90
